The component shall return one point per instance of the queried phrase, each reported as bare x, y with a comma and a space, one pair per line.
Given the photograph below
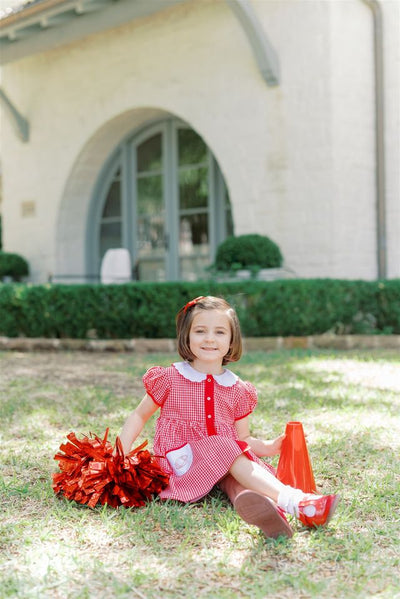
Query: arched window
163, 197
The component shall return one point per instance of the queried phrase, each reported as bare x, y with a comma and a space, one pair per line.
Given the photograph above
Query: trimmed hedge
278, 308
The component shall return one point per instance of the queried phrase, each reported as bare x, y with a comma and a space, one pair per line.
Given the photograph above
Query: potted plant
245, 256
13, 267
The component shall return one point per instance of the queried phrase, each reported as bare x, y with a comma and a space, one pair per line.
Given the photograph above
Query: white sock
289, 499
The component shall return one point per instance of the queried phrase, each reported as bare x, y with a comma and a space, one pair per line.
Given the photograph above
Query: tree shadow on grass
298, 390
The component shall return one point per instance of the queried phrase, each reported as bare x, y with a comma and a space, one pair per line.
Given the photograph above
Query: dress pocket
180, 459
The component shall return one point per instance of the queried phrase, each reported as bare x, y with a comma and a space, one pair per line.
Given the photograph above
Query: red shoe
260, 511
317, 510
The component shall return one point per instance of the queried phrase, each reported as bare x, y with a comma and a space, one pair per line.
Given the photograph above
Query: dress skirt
196, 467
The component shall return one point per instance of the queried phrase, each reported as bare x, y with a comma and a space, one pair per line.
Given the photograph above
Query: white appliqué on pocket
180, 459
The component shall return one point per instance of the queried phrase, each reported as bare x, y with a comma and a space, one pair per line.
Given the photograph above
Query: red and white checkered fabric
193, 405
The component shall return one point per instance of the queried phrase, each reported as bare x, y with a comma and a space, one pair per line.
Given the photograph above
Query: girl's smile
209, 339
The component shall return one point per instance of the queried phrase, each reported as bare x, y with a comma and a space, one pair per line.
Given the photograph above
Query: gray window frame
124, 158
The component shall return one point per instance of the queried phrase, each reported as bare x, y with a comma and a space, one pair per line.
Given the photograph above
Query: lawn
50, 548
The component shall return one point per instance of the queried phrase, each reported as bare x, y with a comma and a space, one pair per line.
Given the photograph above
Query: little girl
202, 435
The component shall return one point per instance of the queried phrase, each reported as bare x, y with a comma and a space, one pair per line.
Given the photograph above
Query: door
163, 198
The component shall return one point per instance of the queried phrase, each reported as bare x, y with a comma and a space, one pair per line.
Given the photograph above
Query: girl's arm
260, 448
135, 422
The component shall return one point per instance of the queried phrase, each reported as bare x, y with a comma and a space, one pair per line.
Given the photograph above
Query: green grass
50, 548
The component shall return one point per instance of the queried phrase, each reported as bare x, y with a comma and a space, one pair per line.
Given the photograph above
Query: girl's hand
276, 444
261, 448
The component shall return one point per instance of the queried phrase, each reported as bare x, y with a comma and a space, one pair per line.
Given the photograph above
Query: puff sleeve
157, 384
246, 400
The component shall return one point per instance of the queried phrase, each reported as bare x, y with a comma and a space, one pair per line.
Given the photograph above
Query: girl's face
209, 339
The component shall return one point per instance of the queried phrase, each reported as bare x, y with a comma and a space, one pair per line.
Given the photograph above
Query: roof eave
53, 23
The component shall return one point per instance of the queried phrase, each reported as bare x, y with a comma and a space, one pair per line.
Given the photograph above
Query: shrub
13, 265
276, 308
247, 251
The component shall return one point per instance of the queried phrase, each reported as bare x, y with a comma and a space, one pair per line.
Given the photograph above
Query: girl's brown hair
184, 320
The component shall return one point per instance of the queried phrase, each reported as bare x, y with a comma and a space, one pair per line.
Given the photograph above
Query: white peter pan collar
226, 379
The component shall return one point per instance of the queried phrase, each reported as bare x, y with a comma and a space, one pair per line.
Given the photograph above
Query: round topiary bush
13, 265
247, 251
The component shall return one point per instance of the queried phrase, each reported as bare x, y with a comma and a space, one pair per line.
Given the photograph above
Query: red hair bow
193, 302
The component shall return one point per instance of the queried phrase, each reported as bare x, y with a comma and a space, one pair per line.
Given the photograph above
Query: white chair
116, 266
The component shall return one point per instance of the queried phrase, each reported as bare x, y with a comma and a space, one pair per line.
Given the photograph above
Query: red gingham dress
196, 438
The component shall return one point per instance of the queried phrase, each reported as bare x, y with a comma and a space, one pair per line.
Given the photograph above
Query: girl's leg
255, 508
231, 487
253, 476
312, 510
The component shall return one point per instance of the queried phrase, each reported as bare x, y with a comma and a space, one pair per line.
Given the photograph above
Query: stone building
162, 126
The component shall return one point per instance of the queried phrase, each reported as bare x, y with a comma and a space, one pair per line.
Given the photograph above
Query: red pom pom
92, 472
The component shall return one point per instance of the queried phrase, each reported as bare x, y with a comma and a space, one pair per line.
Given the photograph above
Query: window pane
193, 231
150, 230
149, 154
194, 250
151, 248
193, 188
150, 233
150, 197
112, 206
110, 237
229, 223
192, 149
